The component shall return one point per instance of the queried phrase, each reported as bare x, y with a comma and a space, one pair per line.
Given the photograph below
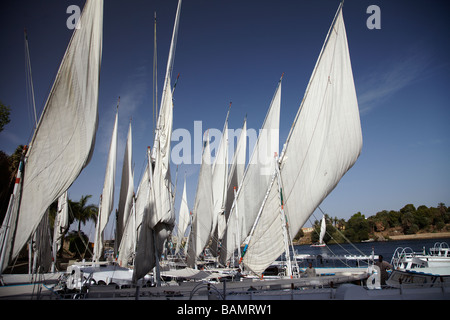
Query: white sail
161, 176
183, 218
202, 223
145, 255
107, 196
130, 235
126, 189
323, 229
63, 141
324, 143
219, 188
60, 224
159, 221
256, 179
237, 168
127, 245
42, 247
235, 177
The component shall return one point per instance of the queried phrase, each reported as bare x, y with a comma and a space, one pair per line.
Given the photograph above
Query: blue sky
235, 51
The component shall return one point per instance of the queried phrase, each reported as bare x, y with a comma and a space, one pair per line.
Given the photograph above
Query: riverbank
391, 235
421, 236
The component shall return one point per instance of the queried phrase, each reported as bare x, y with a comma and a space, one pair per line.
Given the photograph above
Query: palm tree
83, 213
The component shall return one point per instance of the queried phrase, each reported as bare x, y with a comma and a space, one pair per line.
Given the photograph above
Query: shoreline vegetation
419, 236
405, 224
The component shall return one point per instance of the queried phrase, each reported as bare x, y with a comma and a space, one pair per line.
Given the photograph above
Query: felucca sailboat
324, 142
63, 141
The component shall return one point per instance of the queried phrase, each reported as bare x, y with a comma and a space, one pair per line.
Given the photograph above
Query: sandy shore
421, 236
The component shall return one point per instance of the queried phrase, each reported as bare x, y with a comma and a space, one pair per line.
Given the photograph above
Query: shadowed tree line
407, 220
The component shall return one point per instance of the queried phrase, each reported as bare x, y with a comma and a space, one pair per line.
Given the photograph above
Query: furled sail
323, 144
164, 215
183, 218
256, 179
159, 221
64, 139
107, 196
145, 255
202, 223
126, 189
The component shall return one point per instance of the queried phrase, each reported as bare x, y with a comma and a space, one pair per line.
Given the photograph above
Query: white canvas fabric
219, 189
127, 245
324, 143
323, 229
126, 188
235, 177
141, 205
61, 223
107, 196
161, 176
183, 218
64, 139
159, 218
42, 247
256, 179
145, 258
202, 223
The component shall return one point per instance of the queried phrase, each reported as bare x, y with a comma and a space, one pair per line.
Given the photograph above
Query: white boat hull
412, 279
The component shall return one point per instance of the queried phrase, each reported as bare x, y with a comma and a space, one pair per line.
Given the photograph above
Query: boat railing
400, 255
440, 249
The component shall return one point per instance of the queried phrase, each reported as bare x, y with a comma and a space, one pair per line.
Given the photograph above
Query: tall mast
155, 80
29, 77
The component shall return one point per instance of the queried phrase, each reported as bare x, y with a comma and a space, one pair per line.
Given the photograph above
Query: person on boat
237, 275
383, 265
310, 271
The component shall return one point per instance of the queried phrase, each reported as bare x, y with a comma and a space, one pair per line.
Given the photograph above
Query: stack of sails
323, 144
256, 179
159, 215
64, 138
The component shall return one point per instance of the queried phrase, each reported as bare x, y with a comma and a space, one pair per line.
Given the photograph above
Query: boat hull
417, 279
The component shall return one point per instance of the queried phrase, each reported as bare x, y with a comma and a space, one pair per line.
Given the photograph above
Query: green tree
77, 244
300, 234
357, 228
83, 212
421, 218
8, 171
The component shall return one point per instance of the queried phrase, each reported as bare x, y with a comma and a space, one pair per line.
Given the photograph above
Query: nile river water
386, 249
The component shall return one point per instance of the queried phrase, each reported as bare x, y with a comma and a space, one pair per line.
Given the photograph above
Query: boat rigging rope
341, 234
